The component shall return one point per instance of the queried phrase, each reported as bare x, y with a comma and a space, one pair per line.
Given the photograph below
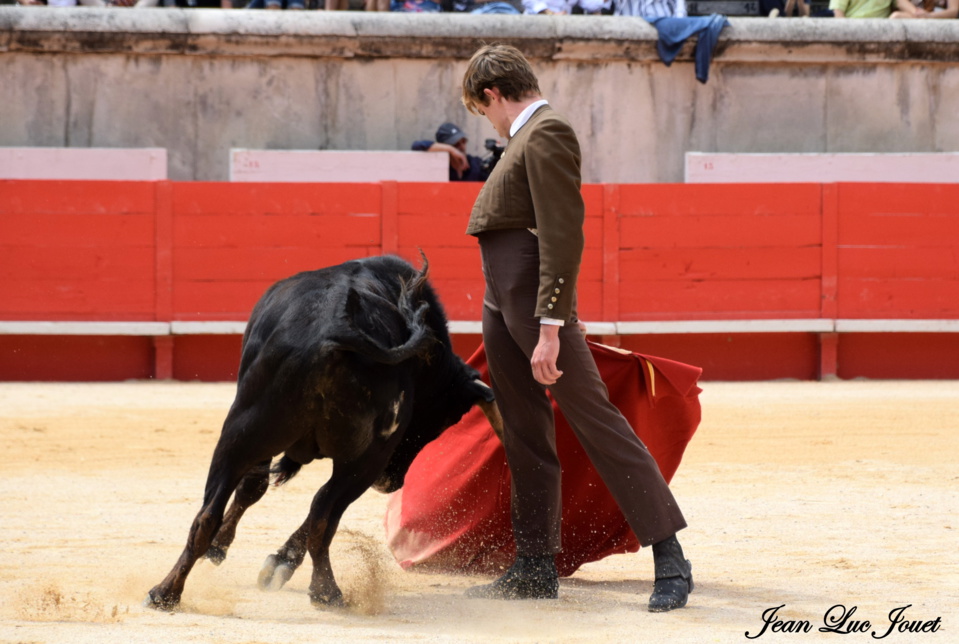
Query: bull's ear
353, 303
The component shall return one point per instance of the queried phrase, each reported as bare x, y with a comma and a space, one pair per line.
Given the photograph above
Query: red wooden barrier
231, 241
77, 250
898, 251
162, 252
720, 251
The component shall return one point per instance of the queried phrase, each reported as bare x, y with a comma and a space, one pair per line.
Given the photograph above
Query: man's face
495, 112
461, 145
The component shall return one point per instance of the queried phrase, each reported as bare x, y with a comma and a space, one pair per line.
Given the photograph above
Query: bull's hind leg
279, 567
227, 469
250, 490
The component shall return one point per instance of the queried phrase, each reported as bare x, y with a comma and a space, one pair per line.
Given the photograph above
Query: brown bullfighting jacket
536, 185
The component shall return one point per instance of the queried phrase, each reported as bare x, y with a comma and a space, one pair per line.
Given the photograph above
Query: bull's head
473, 392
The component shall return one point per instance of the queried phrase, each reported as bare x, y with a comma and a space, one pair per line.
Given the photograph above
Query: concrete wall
203, 81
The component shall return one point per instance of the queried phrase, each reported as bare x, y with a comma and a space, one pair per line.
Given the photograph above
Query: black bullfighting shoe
674, 577
528, 578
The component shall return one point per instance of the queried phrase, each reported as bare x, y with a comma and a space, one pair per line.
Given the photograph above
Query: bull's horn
491, 411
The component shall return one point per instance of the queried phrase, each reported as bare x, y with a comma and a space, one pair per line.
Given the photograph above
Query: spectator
651, 8
365, 5
63, 3
482, 6
274, 5
566, 7
862, 8
328, 5
675, 26
415, 6
786, 9
187, 4
463, 167
941, 9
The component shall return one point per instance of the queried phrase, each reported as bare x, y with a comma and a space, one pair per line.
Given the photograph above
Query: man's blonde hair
500, 66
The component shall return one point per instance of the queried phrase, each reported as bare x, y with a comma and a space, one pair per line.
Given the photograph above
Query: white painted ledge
897, 326
815, 325
886, 167
465, 327
338, 166
84, 328
207, 328
87, 164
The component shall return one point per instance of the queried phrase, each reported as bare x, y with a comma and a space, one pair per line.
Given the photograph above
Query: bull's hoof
216, 554
157, 602
333, 598
275, 573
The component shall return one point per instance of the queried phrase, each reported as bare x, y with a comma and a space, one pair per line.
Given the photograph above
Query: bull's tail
411, 309
284, 469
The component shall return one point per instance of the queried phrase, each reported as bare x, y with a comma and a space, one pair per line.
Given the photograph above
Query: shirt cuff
552, 321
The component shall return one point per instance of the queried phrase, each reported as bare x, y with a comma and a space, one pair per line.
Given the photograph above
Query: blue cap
450, 134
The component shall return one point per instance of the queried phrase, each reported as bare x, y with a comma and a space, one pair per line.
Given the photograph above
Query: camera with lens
496, 151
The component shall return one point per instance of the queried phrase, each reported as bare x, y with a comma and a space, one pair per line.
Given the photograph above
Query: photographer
463, 167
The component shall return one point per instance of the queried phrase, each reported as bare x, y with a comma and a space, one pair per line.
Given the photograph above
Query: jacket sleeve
553, 167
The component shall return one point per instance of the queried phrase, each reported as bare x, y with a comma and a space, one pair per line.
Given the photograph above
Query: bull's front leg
322, 526
324, 590
346, 484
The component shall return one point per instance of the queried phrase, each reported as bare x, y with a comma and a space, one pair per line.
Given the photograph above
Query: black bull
352, 363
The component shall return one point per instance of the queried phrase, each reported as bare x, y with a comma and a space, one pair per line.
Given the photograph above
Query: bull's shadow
352, 363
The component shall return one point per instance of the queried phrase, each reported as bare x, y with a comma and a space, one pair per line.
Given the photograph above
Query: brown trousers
510, 333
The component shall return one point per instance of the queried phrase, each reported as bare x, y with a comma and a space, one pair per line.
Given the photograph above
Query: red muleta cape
452, 514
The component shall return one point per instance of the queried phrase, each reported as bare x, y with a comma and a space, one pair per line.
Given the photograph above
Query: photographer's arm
458, 160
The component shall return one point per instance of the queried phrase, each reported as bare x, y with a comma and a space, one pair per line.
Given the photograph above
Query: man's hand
458, 160
545, 355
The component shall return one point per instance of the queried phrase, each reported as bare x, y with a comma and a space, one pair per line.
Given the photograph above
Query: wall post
163, 253
829, 342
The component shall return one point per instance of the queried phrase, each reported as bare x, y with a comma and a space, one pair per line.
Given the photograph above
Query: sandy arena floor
802, 494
